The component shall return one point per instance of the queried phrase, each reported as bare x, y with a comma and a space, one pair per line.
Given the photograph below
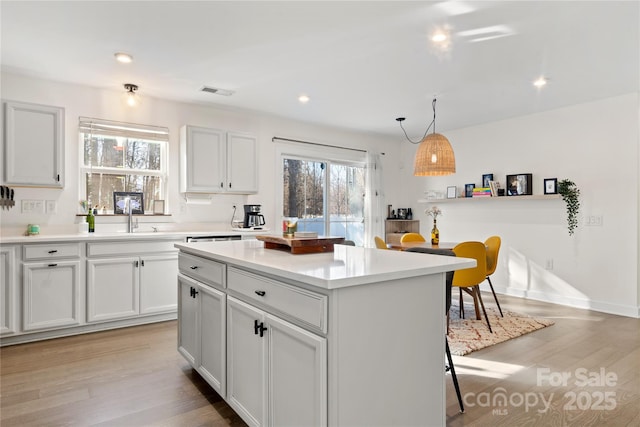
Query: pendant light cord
433, 123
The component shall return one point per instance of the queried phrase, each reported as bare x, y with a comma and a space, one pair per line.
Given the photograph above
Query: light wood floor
135, 377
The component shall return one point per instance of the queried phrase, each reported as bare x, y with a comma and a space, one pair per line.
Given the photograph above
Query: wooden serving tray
301, 245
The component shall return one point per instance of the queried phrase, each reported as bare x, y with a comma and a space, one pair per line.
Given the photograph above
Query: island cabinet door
213, 352
188, 319
246, 347
297, 375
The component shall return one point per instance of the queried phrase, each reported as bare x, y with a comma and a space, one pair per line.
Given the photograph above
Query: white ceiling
362, 63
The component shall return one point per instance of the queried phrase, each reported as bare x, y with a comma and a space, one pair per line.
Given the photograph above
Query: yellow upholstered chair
469, 279
380, 244
493, 248
412, 237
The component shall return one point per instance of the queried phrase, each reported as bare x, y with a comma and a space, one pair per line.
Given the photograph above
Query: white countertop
346, 266
145, 232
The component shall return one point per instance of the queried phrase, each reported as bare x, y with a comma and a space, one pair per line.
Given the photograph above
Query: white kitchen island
353, 337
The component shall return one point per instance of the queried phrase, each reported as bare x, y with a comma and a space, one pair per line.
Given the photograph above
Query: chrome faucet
130, 224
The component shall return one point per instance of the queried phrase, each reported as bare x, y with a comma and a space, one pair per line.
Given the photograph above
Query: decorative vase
435, 234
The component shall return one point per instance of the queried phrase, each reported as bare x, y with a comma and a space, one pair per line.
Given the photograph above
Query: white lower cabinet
112, 288
201, 330
276, 371
51, 294
247, 336
128, 284
157, 283
7, 289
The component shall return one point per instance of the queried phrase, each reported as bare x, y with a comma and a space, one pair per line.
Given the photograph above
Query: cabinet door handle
143, 263
137, 263
193, 267
193, 292
53, 251
261, 293
58, 178
222, 185
258, 328
52, 265
229, 185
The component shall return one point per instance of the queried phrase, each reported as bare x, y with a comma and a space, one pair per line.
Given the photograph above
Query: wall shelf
484, 199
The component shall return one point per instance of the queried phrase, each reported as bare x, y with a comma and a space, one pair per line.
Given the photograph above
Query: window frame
163, 141
317, 153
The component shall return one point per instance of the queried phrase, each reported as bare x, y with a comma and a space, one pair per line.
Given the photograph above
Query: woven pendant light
434, 157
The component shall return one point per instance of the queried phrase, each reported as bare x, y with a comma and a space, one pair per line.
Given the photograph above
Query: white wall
92, 102
596, 146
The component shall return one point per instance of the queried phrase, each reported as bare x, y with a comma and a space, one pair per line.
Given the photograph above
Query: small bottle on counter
91, 220
104, 210
95, 210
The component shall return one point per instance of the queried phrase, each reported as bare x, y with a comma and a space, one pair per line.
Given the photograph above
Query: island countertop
345, 266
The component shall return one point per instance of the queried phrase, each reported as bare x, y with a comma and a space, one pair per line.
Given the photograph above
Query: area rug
467, 335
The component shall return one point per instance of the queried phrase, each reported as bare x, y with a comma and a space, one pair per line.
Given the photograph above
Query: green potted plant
571, 195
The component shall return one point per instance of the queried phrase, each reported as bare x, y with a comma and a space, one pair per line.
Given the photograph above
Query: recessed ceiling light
125, 58
303, 99
441, 39
540, 82
438, 37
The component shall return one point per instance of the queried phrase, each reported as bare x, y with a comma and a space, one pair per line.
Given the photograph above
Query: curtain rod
316, 143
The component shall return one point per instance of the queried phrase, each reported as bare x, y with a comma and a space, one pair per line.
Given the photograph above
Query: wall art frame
551, 186
119, 202
519, 184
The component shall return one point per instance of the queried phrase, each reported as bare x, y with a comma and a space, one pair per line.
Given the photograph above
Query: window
122, 157
326, 196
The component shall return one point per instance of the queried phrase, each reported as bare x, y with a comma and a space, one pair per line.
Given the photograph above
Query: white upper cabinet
215, 161
202, 160
34, 145
242, 163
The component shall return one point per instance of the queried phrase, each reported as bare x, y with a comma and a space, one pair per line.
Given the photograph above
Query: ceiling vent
217, 91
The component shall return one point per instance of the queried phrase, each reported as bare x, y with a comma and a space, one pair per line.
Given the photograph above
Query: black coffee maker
252, 216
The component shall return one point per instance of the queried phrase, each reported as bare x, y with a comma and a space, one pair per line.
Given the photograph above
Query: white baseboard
604, 307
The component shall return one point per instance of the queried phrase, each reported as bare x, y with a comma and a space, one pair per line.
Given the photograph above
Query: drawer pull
52, 265
261, 293
193, 267
53, 251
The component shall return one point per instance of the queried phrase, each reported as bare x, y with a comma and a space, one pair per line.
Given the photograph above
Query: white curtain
374, 200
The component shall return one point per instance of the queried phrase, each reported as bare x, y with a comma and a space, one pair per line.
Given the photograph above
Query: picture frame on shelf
519, 184
468, 190
551, 186
158, 207
120, 200
486, 179
452, 192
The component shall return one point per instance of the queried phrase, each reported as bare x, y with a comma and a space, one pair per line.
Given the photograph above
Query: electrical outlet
32, 206
593, 220
51, 206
